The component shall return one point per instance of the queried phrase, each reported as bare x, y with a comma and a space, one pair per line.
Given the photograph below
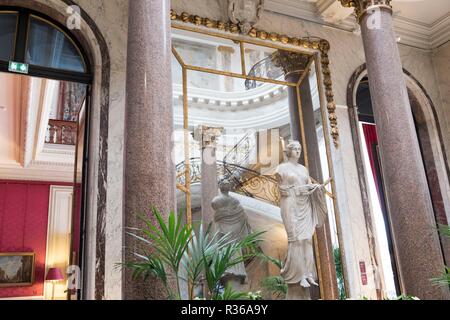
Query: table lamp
54, 275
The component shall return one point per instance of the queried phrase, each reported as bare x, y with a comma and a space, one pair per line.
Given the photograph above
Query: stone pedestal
149, 170
207, 136
297, 292
294, 66
416, 242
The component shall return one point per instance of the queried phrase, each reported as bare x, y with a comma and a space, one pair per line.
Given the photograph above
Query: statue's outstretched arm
314, 181
323, 185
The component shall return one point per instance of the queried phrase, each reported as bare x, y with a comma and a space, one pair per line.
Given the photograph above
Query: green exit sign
18, 67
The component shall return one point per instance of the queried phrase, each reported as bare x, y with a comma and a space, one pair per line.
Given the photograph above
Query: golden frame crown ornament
321, 45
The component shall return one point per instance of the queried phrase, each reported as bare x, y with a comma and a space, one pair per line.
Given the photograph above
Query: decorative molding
422, 35
231, 101
331, 13
323, 12
230, 27
24, 298
316, 44
36, 174
440, 31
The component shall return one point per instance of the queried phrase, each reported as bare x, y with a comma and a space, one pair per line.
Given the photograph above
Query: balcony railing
61, 132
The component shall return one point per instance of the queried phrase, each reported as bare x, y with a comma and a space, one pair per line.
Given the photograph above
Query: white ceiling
423, 24
25, 105
422, 11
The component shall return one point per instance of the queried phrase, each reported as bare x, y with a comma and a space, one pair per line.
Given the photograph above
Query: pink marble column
417, 248
149, 170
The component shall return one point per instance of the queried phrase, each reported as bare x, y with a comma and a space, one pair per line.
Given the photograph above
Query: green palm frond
229, 255
444, 279
202, 246
174, 249
444, 230
230, 294
275, 286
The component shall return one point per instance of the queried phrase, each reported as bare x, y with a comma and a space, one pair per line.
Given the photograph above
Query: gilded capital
362, 6
290, 62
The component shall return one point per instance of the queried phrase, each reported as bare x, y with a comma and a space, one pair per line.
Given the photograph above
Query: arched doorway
36, 38
371, 172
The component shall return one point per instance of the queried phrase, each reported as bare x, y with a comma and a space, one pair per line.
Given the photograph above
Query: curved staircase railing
244, 181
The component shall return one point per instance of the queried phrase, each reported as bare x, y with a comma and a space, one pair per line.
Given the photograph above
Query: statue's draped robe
303, 208
230, 219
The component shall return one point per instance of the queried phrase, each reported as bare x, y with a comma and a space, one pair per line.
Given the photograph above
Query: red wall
23, 228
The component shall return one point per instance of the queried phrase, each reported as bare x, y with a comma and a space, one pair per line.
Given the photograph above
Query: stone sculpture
245, 13
303, 208
230, 220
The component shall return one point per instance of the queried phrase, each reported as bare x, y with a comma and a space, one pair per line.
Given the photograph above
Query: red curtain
371, 139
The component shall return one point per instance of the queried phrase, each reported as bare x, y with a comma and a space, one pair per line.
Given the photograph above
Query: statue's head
225, 186
293, 149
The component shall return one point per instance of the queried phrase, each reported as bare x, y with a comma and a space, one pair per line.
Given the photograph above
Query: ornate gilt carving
310, 43
362, 6
245, 13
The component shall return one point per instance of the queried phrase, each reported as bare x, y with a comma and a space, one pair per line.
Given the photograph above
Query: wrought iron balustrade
263, 69
244, 181
241, 152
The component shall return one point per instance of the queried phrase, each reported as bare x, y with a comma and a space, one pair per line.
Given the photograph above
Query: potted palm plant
175, 250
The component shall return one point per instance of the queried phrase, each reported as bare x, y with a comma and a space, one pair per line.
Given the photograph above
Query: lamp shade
54, 274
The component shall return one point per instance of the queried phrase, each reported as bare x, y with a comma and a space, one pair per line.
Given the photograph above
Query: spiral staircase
241, 168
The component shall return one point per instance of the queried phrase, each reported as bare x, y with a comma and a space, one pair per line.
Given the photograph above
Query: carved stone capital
225, 49
207, 136
245, 13
290, 62
363, 6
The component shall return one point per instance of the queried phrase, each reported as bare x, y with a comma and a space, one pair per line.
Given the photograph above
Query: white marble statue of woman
230, 220
303, 208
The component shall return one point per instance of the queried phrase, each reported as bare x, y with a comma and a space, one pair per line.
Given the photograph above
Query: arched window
45, 45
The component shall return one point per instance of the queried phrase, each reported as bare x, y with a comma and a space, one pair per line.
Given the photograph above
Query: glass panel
69, 100
387, 264
252, 124
259, 62
178, 154
65, 102
49, 47
8, 24
205, 51
323, 173
79, 196
237, 130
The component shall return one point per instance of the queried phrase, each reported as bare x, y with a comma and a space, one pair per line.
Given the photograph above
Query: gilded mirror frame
316, 48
